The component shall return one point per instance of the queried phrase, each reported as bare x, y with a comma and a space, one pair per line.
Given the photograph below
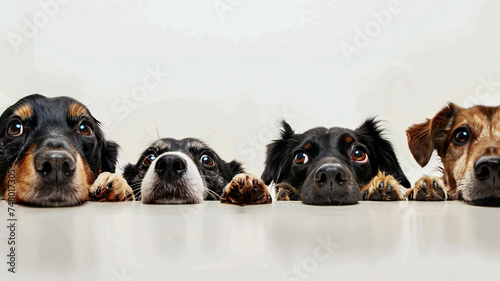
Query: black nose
55, 166
330, 176
487, 170
171, 167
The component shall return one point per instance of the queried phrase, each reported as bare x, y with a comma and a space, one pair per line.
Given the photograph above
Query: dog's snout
172, 167
487, 170
55, 166
54, 143
330, 176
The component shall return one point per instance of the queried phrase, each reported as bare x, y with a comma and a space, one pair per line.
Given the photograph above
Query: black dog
51, 152
183, 171
329, 166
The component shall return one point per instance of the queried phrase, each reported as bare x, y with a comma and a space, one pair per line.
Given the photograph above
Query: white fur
194, 185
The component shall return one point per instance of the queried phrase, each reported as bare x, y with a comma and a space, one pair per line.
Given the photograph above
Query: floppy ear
234, 167
382, 151
129, 172
425, 137
109, 156
278, 158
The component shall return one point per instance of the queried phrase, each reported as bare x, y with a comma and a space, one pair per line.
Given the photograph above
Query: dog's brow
307, 146
77, 110
348, 139
25, 111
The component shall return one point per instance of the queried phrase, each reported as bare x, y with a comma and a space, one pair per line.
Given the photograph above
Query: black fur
329, 146
215, 178
51, 121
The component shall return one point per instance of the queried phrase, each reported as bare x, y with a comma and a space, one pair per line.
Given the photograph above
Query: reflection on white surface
283, 241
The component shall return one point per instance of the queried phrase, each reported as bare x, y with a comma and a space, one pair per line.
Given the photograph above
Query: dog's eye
461, 136
358, 155
16, 129
301, 158
85, 129
207, 160
149, 159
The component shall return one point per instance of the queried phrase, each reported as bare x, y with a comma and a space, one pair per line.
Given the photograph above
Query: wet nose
170, 167
55, 166
487, 170
330, 176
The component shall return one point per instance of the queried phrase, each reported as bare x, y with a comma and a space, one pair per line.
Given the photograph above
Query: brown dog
468, 142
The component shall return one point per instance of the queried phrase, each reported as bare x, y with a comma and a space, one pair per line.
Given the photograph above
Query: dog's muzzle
54, 163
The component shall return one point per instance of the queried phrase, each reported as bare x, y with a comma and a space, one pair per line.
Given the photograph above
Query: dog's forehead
185, 145
49, 109
480, 119
328, 138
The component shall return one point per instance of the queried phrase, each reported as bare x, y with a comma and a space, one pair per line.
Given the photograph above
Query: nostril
161, 167
340, 178
321, 178
483, 172
67, 168
46, 168
179, 167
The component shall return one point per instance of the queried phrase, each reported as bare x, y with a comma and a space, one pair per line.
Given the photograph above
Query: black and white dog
183, 171
335, 166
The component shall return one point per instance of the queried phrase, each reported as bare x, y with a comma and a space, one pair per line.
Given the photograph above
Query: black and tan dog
468, 142
186, 171
53, 154
335, 166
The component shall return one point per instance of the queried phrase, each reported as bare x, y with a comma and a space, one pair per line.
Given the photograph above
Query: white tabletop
284, 241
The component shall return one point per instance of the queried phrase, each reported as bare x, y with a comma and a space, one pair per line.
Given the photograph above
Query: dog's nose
55, 166
171, 167
487, 170
330, 176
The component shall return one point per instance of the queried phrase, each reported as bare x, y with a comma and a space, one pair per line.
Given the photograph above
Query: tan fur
77, 110
387, 195
119, 189
437, 133
27, 178
24, 112
430, 193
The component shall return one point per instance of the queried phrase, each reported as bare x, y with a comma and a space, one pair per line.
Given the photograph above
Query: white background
231, 69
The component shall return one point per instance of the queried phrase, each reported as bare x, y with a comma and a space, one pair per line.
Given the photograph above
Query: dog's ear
231, 169
382, 152
278, 158
234, 167
425, 137
109, 156
129, 172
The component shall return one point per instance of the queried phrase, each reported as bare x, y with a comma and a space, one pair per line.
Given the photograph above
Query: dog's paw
110, 187
246, 189
286, 192
428, 189
382, 188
